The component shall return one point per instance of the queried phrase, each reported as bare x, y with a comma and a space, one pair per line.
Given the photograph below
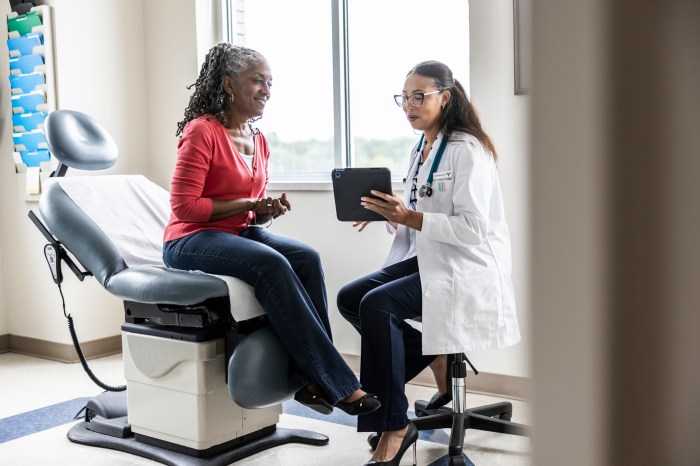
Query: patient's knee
312, 258
275, 265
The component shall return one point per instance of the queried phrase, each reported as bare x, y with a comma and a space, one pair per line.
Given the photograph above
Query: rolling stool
493, 418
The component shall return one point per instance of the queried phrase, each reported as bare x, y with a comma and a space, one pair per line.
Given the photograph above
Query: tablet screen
350, 184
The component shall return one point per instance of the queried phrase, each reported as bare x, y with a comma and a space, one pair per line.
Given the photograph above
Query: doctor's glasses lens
415, 99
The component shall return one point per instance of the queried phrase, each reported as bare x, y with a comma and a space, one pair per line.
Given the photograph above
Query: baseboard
4, 343
63, 352
507, 386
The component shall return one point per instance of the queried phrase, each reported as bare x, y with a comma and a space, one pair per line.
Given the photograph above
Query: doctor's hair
209, 96
460, 114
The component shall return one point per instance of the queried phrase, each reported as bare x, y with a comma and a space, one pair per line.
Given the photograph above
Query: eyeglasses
414, 99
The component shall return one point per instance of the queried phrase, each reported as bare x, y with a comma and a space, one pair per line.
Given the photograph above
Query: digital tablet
350, 184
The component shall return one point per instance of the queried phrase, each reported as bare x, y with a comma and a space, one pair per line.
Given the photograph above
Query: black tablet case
350, 184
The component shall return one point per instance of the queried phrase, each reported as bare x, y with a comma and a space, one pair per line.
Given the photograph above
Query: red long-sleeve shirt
209, 167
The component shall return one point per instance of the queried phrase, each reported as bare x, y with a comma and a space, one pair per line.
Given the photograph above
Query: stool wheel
457, 461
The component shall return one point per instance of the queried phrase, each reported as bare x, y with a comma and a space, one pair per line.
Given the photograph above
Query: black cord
79, 350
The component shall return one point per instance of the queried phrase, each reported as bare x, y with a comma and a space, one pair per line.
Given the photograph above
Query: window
336, 65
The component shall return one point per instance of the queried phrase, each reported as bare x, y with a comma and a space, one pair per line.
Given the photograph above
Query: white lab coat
463, 251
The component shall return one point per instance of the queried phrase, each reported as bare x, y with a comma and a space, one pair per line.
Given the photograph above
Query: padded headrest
79, 141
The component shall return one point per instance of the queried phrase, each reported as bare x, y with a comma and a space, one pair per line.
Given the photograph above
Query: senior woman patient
218, 200
449, 263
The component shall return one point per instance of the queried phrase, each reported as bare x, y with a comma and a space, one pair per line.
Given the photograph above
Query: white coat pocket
443, 186
441, 198
477, 301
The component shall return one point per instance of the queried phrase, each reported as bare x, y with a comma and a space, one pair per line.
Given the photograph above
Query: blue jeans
378, 305
288, 280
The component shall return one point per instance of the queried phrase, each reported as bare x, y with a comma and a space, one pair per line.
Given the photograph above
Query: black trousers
378, 305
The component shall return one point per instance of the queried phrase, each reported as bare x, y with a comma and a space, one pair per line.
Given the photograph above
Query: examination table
206, 373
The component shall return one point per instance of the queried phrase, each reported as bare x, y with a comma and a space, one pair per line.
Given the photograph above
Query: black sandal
364, 405
314, 401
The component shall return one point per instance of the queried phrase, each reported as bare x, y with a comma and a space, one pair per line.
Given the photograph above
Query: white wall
101, 71
170, 66
505, 117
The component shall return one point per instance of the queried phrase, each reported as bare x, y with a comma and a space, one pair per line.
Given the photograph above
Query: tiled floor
28, 383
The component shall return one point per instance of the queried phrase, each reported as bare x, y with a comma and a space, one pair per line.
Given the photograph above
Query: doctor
449, 264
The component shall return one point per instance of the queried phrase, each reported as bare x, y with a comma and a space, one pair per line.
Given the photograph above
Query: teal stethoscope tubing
426, 189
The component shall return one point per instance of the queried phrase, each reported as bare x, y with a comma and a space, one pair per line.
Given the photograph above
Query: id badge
446, 175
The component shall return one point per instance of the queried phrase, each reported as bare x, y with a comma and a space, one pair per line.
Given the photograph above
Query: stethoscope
426, 189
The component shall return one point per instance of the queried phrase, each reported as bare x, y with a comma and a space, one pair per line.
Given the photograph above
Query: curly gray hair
224, 59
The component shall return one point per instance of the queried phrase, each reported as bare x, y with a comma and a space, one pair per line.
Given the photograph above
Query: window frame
343, 155
343, 142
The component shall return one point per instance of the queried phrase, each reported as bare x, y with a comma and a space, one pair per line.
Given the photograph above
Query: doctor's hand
386, 205
393, 209
361, 224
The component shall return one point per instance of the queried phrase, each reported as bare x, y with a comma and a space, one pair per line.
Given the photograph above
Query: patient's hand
271, 206
284, 203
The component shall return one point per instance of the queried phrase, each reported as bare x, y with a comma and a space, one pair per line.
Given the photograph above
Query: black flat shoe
364, 405
411, 438
314, 401
437, 401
